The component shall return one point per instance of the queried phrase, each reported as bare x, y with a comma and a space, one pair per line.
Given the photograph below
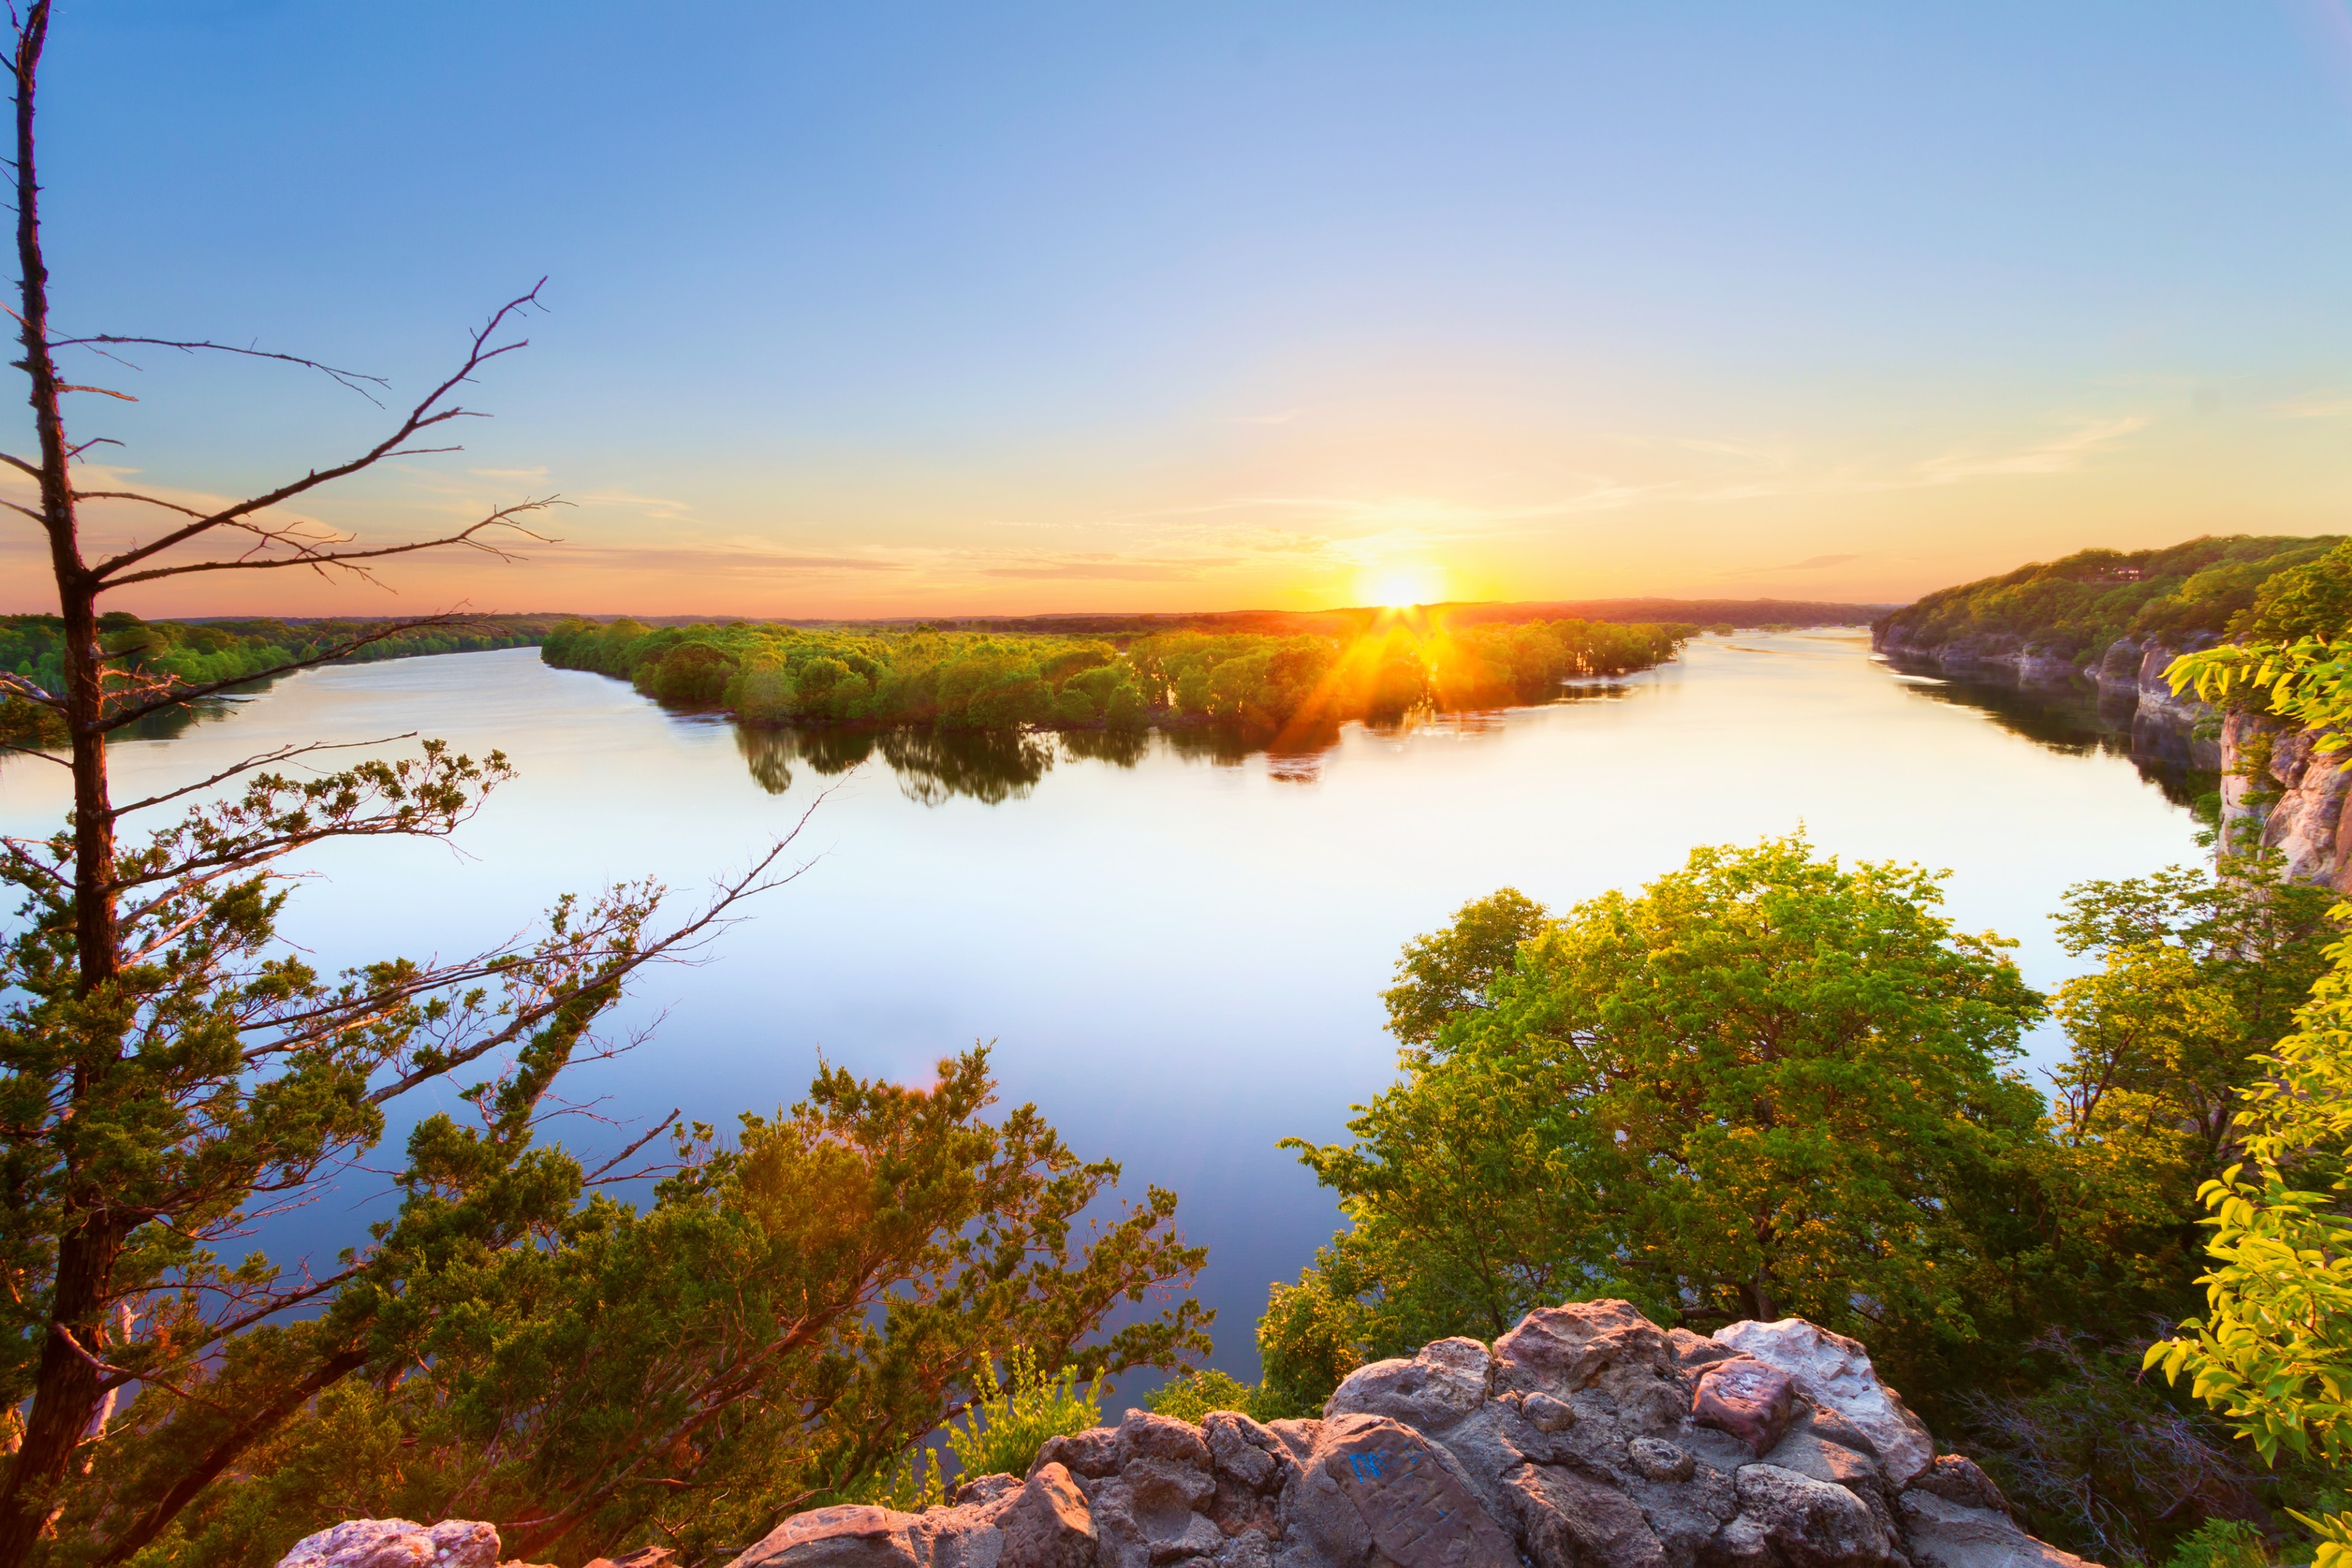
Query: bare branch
596, 1176
428, 412
349, 378
684, 939
134, 494
305, 554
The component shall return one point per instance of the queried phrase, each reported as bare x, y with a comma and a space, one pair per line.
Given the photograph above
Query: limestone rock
1049, 1525
1560, 1349
1796, 1522
1835, 1374
643, 1557
1956, 1478
1587, 1437
849, 1535
1418, 1513
1750, 1399
1434, 1390
1568, 1522
398, 1543
1942, 1533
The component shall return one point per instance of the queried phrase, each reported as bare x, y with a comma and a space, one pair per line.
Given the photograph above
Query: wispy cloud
1109, 569
1810, 563
2056, 454
729, 560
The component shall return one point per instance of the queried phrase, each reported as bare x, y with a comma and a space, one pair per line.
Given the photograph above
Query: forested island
770, 674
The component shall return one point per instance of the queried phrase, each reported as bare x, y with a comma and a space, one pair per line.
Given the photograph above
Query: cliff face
2129, 674
2309, 821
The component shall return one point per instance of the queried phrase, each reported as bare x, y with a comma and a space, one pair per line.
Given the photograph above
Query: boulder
1431, 1391
848, 1535
1941, 1533
398, 1543
1585, 1437
1796, 1522
1833, 1374
1750, 1399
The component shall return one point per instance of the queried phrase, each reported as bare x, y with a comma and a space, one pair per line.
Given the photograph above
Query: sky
884, 308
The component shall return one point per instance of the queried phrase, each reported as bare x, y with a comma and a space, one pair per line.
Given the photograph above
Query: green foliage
2312, 600
791, 1317
2274, 1353
2082, 602
1009, 1422
2221, 1544
200, 652
1450, 971
774, 675
1193, 1396
909, 1485
1767, 1085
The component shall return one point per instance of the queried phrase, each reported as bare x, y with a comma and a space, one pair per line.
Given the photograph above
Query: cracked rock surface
1585, 1438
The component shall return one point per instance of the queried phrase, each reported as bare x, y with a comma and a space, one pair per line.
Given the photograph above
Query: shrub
1007, 1425
1194, 1395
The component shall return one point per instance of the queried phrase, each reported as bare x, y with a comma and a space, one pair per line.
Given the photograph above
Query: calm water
1178, 954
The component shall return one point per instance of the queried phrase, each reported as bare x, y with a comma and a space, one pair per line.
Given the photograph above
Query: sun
1394, 587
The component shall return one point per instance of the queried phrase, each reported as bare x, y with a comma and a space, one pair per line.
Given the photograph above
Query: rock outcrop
402, 1544
1585, 1438
452, 1543
2128, 675
2300, 806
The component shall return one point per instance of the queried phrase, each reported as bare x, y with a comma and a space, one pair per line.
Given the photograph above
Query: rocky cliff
2300, 804
2127, 674
1585, 1438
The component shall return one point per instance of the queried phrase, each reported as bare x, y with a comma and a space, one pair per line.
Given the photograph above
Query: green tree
1765, 1084
792, 1314
2274, 1352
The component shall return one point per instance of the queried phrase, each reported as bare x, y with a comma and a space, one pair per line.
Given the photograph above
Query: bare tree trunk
65, 1394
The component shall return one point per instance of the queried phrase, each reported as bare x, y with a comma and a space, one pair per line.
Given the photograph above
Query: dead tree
168, 1073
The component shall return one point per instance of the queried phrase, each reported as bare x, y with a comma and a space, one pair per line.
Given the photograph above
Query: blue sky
898, 309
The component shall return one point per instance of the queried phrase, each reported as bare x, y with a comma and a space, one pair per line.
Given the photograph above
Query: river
1177, 950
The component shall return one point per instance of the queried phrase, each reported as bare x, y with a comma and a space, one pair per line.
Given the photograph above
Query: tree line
779, 675
217, 653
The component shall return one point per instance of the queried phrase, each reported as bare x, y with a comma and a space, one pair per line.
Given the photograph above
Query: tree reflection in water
934, 766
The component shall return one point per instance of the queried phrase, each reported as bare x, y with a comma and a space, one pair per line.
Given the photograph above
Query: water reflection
991, 766
932, 766
2077, 722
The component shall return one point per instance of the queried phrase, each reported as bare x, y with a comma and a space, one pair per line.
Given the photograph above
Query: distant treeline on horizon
776, 674
1745, 613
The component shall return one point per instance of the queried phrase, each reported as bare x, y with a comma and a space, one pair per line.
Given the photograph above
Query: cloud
661, 508
689, 558
508, 473
1810, 563
1108, 569
2055, 456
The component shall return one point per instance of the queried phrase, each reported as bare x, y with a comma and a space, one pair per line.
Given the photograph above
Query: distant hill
1690, 612
2074, 608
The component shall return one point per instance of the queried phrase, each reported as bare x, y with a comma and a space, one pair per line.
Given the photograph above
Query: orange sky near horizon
1311, 511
